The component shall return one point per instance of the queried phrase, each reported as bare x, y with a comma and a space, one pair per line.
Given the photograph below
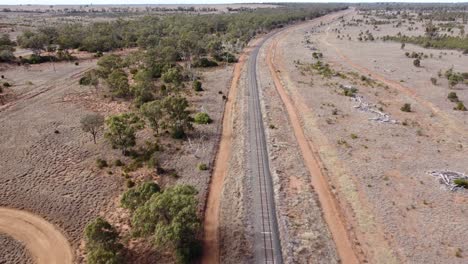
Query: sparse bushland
454, 78
443, 42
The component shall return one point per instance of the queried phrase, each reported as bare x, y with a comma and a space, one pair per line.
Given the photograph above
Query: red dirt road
221, 166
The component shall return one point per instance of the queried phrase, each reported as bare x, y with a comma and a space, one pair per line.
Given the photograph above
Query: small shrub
130, 183
417, 63
133, 71
204, 63
202, 166
452, 96
98, 54
271, 126
461, 182
354, 136
202, 118
434, 81
197, 86
118, 163
460, 107
6, 84
101, 163
406, 108
77, 63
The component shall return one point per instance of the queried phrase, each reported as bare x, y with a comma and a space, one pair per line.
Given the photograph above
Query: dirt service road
44, 242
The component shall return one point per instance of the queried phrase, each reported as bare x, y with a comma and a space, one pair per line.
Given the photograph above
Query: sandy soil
14, 251
305, 235
51, 174
396, 211
319, 181
43, 241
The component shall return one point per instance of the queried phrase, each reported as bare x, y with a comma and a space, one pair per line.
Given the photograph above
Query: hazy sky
96, 2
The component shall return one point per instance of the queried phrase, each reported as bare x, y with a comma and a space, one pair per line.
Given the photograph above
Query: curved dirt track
330, 208
45, 243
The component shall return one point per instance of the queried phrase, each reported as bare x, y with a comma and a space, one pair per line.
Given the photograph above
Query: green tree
101, 255
118, 83
172, 75
35, 41
137, 196
177, 118
154, 112
102, 246
170, 219
108, 63
92, 124
121, 130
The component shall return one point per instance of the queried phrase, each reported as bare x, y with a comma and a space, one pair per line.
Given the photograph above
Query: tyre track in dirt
330, 207
44, 242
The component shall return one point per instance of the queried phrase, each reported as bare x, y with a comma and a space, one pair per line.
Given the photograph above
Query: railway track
267, 246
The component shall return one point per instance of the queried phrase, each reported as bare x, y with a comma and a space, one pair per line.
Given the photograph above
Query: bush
205, 63
102, 244
202, 118
452, 96
406, 108
6, 84
461, 182
433, 81
137, 196
417, 63
118, 163
460, 107
197, 86
101, 163
6, 56
130, 183
225, 56
202, 166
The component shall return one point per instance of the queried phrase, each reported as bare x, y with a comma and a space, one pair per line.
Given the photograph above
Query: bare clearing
379, 171
47, 161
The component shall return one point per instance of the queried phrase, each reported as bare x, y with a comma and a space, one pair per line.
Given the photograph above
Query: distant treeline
445, 42
182, 32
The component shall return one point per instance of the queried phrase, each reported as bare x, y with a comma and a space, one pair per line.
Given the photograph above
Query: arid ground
350, 167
